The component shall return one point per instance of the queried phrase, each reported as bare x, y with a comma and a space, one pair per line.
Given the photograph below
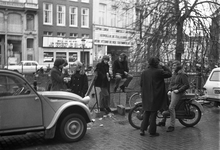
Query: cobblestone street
115, 133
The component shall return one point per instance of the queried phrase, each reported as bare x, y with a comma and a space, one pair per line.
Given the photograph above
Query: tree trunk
179, 42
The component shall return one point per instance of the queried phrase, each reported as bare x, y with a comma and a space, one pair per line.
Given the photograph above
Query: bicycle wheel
136, 97
135, 116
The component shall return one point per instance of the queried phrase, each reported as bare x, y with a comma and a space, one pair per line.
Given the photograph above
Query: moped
188, 112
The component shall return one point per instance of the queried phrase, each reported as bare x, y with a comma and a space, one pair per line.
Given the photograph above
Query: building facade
63, 25
113, 25
18, 31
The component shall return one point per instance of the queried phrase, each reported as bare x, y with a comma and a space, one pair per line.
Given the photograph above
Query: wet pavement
115, 133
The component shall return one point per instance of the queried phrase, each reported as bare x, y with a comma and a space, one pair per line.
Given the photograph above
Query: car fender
63, 108
199, 105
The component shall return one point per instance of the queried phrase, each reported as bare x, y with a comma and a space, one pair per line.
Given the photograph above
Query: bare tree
164, 22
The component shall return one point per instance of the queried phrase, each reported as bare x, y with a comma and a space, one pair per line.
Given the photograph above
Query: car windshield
215, 76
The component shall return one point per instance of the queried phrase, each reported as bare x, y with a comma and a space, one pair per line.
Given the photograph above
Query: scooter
188, 112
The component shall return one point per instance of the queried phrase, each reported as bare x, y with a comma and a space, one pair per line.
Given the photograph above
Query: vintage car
212, 86
27, 67
56, 113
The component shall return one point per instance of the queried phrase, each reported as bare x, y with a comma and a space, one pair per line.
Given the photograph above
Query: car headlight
86, 99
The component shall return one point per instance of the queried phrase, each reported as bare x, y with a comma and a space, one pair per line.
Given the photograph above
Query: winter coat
58, 83
120, 67
179, 81
101, 71
153, 89
78, 84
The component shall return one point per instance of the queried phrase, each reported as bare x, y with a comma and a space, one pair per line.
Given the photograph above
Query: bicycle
136, 97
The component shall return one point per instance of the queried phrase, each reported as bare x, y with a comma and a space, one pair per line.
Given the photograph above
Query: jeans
174, 100
119, 77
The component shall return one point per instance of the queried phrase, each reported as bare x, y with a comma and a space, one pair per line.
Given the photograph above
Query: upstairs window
61, 15
85, 17
30, 22
73, 16
47, 13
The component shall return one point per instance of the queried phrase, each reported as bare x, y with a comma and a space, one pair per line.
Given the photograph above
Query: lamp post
83, 45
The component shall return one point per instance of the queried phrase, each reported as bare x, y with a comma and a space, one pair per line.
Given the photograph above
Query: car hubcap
73, 128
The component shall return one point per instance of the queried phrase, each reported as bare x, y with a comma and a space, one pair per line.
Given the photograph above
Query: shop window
61, 55
72, 57
30, 22
30, 43
48, 57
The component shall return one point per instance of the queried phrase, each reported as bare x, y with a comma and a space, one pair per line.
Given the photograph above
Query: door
20, 106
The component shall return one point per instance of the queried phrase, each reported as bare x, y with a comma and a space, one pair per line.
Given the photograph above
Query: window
215, 76
72, 56
30, 22
2, 23
46, 33
61, 15
48, 56
85, 36
73, 16
85, 17
30, 43
11, 86
47, 14
85, 1
61, 34
73, 35
102, 14
113, 18
61, 55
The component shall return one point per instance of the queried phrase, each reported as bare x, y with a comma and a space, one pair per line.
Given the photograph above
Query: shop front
69, 49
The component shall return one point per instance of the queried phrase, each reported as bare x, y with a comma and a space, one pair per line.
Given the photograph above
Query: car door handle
36, 98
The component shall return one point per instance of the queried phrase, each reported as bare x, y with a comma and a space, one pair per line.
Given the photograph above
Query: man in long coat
153, 93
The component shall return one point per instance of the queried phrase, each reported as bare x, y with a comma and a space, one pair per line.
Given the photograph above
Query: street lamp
83, 45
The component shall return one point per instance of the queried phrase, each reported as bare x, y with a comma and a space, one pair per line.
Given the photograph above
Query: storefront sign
113, 36
60, 42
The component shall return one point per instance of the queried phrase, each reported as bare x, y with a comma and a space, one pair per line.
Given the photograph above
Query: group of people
120, 71
155, 96
78, 82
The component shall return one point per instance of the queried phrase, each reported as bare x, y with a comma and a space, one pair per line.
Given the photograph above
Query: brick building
62, 26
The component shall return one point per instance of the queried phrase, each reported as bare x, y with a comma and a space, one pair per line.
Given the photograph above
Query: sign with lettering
61, 42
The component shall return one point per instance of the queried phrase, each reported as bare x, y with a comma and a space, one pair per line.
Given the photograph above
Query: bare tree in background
165, 24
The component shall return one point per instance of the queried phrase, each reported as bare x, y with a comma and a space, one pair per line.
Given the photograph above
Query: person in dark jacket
79, 80
153, 93
103, 81
57, 77
178, 85
120, 71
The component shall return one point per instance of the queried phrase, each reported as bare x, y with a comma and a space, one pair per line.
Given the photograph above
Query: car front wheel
72, 128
